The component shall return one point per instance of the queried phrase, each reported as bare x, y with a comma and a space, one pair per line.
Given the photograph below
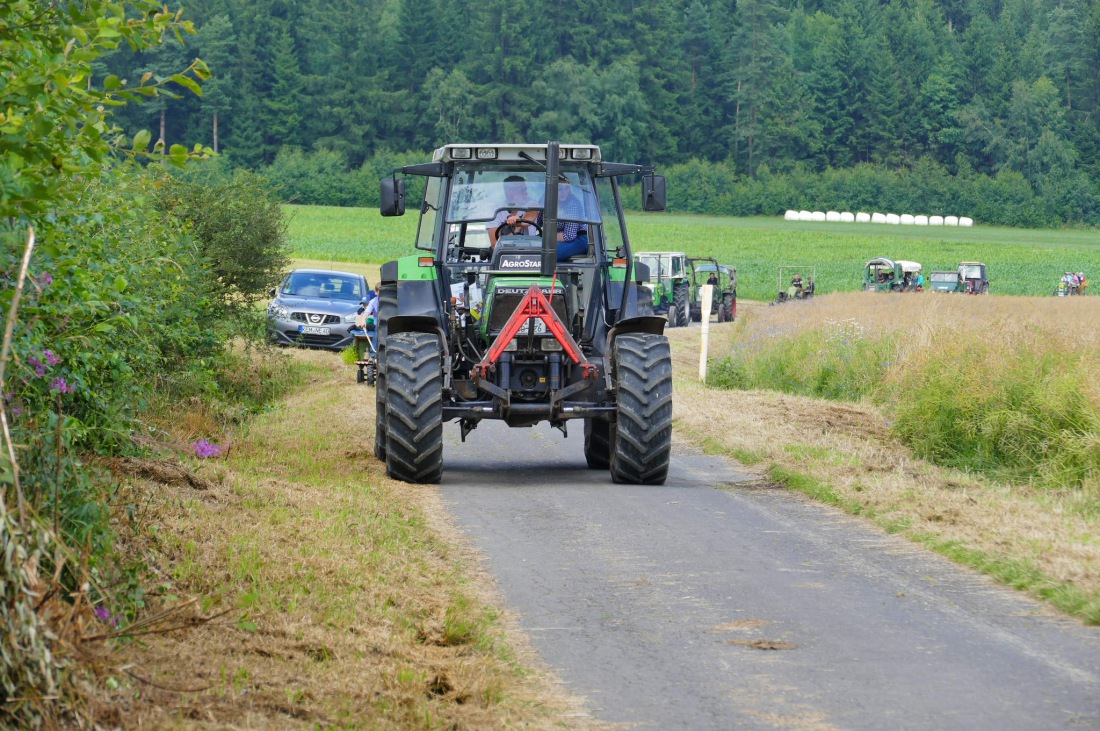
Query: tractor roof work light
460, 153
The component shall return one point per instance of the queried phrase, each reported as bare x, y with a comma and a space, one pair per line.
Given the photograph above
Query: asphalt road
713, 603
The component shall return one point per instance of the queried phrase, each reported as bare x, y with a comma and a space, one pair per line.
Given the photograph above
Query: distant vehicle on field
316, 308
723, 278
971, 277
890, 275
1072, 284
791, 285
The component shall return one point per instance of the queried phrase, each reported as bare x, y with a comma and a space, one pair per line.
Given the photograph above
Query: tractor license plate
312, 330
540, 327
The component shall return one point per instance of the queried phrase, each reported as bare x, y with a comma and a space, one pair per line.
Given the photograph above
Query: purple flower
45, 279
204, 449
103, 613
39, 368
60, 385
51, 359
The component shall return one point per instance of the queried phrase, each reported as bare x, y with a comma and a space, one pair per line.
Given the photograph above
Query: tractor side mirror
653, 192
392, 197
641, 272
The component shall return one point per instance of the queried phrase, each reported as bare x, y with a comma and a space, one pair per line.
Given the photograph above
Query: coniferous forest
760, 104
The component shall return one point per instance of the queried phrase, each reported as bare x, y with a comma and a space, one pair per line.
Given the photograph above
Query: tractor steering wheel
517, 229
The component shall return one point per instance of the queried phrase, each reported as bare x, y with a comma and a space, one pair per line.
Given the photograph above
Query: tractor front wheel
641, 438
597, 443
681, 293
414, 407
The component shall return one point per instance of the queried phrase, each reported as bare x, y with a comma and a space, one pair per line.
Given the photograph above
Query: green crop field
1021, 261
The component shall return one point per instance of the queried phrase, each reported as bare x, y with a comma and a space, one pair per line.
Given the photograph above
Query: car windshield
324, 284
945, 277
479, 192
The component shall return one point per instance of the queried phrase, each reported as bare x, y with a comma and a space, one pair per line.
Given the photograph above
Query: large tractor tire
681, 294
414, 407
386, 308
380, 412
597, 443
641, 438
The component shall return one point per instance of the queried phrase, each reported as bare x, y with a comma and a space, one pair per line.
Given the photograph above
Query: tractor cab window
429, 213
653, 263
480, 192
970, 272
677, 267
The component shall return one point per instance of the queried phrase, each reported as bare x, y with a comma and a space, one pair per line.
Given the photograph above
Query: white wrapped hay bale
935, 220
920, 220
878, 218
893, 219
805, 216
817, 216
862, 217
790, 216
847, 217
950, 220
964, 221
832, 216
906, 219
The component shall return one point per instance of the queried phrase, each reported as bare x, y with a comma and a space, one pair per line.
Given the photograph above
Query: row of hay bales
905, 219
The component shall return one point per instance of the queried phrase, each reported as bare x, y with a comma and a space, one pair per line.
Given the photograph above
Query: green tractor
522, 328
676, 281
672, 282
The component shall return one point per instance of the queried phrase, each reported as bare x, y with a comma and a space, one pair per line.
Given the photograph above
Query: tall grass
1009, 386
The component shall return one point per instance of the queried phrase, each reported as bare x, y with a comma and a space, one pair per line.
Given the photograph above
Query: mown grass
347, 603
1021, 261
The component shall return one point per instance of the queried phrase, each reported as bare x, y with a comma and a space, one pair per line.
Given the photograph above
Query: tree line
979, 88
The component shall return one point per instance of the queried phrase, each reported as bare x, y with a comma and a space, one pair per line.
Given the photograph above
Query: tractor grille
313, 319
505, 304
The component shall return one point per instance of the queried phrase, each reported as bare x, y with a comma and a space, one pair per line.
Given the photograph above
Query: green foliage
750, 85
240, 232
836, 362
1028, 416
55, 121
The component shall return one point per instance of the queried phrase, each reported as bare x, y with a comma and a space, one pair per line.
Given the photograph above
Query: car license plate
312, 330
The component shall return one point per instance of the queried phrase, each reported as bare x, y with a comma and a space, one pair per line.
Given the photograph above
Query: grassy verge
330, 597
1039, 539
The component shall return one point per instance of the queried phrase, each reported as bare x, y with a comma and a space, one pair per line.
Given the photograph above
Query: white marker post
708, 296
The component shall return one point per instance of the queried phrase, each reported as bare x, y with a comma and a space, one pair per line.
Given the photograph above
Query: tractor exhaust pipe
550, 213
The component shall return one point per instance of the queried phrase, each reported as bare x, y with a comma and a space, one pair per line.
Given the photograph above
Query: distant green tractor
671, 280
970, 278
676, 281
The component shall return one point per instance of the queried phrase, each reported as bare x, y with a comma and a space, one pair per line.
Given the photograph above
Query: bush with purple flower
205, 450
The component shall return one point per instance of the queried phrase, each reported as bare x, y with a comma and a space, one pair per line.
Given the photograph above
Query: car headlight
349, 318
277, 311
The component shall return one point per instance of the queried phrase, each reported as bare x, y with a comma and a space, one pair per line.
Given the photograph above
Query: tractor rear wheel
597, 443
414, 407
641, 438
681, 293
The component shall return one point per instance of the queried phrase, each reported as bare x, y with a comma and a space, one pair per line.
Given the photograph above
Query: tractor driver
514, 214
572, 234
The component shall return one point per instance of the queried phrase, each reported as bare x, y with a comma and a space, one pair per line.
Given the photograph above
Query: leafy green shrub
240, 231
